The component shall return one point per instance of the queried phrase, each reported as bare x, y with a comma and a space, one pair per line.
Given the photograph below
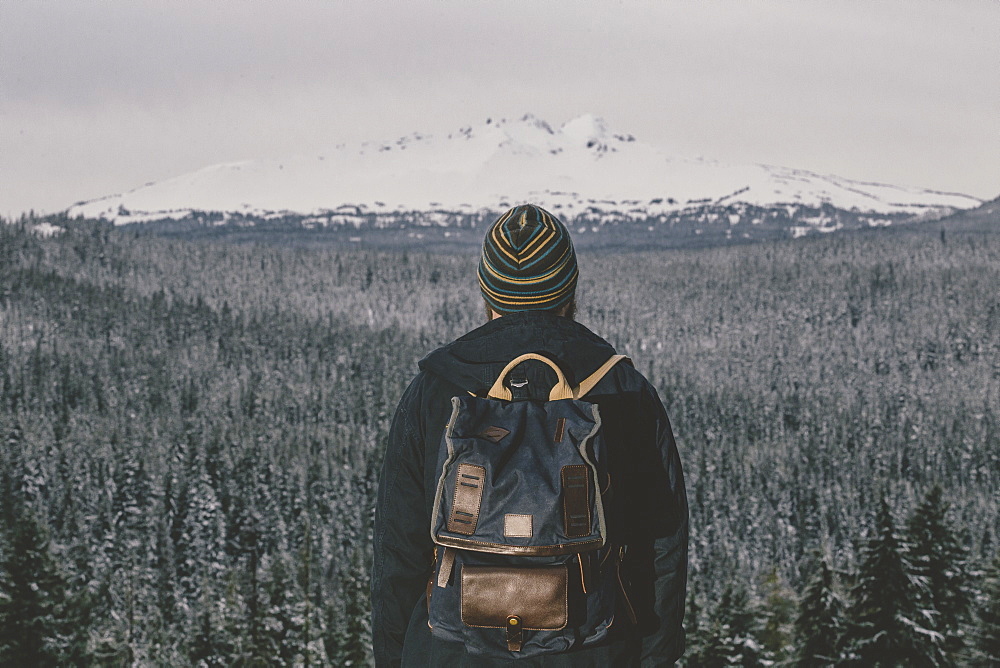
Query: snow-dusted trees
728, 635
43, 622
986, 641
777, 610
197, 428
357, 640
886, 625
819, 626
939, 559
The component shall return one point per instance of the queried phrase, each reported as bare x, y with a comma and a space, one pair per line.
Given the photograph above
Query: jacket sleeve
402, 546
667, 499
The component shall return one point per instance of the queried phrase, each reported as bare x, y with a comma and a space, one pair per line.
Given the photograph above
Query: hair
567, 310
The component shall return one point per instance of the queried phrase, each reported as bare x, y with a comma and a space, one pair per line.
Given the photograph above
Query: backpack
523, 564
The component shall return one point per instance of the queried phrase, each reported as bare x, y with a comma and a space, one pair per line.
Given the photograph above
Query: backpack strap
447, 566
561, 390
590, 381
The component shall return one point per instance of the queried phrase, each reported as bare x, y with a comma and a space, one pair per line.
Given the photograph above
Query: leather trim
427, 596
561, 390
447, 565
525, 550
495, 434
560, 428
576, 500
586, 570
515, 634
469, 480
537, 597
430, 584
593, 379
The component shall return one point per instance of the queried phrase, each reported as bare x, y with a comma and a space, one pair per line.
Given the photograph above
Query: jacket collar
473, 361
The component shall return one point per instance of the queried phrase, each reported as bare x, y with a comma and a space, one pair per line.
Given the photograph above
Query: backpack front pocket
537, 597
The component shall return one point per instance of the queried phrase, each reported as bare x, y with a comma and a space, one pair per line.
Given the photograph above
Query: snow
495, 165
46, 229
585, 129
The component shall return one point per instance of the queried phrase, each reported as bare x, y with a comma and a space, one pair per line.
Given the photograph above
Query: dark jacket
644, 466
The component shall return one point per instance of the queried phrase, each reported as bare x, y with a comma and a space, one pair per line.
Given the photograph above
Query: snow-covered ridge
577, 169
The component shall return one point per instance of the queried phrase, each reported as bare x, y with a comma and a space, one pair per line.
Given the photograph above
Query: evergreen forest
192, 433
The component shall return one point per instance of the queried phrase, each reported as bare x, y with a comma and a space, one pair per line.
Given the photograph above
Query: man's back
528, 275
645, 473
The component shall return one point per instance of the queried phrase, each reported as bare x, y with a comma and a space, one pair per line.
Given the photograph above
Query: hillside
196, 429
984, 218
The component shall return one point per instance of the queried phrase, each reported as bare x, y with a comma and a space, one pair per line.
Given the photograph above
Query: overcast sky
101, 97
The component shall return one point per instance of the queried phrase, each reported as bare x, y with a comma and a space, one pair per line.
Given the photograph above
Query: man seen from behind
528, 275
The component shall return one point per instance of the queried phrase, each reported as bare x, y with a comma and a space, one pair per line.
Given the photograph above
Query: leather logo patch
517, 526
495, 434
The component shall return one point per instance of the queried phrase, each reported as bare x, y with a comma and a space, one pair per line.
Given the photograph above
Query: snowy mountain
582, 171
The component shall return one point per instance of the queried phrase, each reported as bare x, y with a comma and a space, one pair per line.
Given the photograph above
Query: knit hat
528, 262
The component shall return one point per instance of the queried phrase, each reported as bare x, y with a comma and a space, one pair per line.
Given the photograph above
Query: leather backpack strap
590, 381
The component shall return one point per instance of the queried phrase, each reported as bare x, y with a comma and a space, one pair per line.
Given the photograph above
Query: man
528, 276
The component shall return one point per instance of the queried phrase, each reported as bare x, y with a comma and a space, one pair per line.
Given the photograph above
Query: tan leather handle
561, 390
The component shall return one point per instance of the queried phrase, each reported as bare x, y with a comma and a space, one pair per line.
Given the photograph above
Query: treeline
914, 600
181, 484
192, 434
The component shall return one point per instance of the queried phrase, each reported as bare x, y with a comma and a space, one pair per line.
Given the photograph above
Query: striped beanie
528, 262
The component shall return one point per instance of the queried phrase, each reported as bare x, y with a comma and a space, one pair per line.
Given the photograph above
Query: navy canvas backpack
523, 564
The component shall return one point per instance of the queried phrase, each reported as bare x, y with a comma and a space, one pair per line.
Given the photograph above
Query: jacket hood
473, 361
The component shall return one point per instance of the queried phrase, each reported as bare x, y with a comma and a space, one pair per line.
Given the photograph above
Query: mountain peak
586, 130
579, 168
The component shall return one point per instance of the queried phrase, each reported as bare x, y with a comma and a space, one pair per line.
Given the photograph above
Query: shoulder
627, 398
426, 402
426, 383
430, 386
624, 378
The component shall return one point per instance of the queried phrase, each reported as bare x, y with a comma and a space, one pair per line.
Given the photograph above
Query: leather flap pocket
537, 596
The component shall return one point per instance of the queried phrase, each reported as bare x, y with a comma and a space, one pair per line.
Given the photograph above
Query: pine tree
940, 559
694, 624
884, 628
42, 623
986, 650
729, 637
738, 617
335, 633
778, 610
131, 551
357, 649
709, 648
209, 648
283, 622
820, 624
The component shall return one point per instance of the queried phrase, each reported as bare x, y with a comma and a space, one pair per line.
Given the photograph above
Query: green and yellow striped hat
528, 262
